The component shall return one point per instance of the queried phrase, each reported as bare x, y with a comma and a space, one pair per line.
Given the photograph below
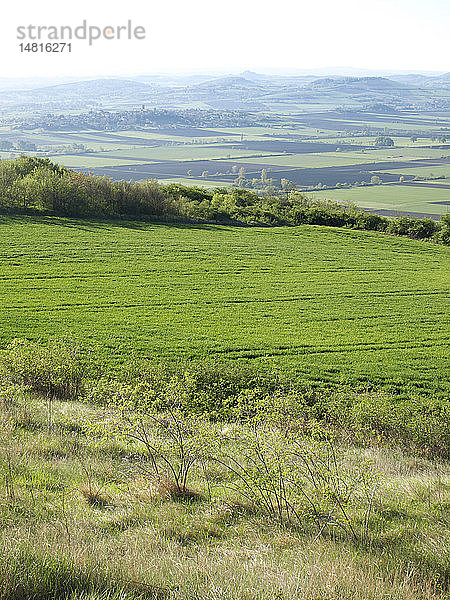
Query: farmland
422, 198
331, 305
209, 393
310, 150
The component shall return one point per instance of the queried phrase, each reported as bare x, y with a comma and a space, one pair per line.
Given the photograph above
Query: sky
188, 36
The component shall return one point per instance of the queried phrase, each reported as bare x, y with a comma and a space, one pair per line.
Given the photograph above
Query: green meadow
327, 304
417, 198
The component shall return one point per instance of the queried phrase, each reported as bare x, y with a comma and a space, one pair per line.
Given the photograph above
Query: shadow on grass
98, 223
394, 552
25, 574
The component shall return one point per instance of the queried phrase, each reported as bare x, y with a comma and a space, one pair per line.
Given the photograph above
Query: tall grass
55, 544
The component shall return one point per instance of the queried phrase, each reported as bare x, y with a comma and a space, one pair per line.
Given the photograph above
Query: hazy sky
234, 35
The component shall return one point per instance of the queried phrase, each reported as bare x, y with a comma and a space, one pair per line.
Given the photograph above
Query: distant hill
443, 80
278, 79
254, 76
91, 92
248, 91
411, 78
425, 81
95, 87
352, 84
227, 83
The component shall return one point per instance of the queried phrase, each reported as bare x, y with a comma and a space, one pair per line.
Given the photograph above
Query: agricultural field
235, 393
184, 152
309, 149
325, 304
398, 198
431, 171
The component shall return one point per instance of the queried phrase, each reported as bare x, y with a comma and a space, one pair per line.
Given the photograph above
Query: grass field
320, 159
300, 141
87, 161
417, 198
437, 182
185, 152
327, 304
432, 171
210, 135
192, 181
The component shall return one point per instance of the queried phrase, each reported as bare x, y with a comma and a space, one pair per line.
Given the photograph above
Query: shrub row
229, 392
36, 185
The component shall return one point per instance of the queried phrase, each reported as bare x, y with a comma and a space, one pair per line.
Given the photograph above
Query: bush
372, 222
54, 369
443, 235
418, 229
301, 480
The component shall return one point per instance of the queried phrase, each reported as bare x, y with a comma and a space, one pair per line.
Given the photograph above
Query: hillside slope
331, 305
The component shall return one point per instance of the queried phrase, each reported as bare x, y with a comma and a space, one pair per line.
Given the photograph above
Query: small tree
384, 141
170, 444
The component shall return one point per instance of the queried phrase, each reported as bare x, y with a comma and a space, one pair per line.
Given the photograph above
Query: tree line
33, 185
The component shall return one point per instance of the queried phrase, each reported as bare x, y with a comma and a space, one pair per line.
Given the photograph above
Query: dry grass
160, 488
95, 497
148, 545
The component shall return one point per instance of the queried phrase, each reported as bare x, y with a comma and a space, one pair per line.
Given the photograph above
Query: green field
434, 171
184, 152
417, 198
281, 149
436, 182
89, 161
165, 136
327, 304
341, 158
310, 160
355, 437
192, 181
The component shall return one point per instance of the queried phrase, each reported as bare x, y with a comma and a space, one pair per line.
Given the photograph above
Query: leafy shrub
170, 442
371, 222
443, 235
418, 229
226, 391
298, 479
54, 369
